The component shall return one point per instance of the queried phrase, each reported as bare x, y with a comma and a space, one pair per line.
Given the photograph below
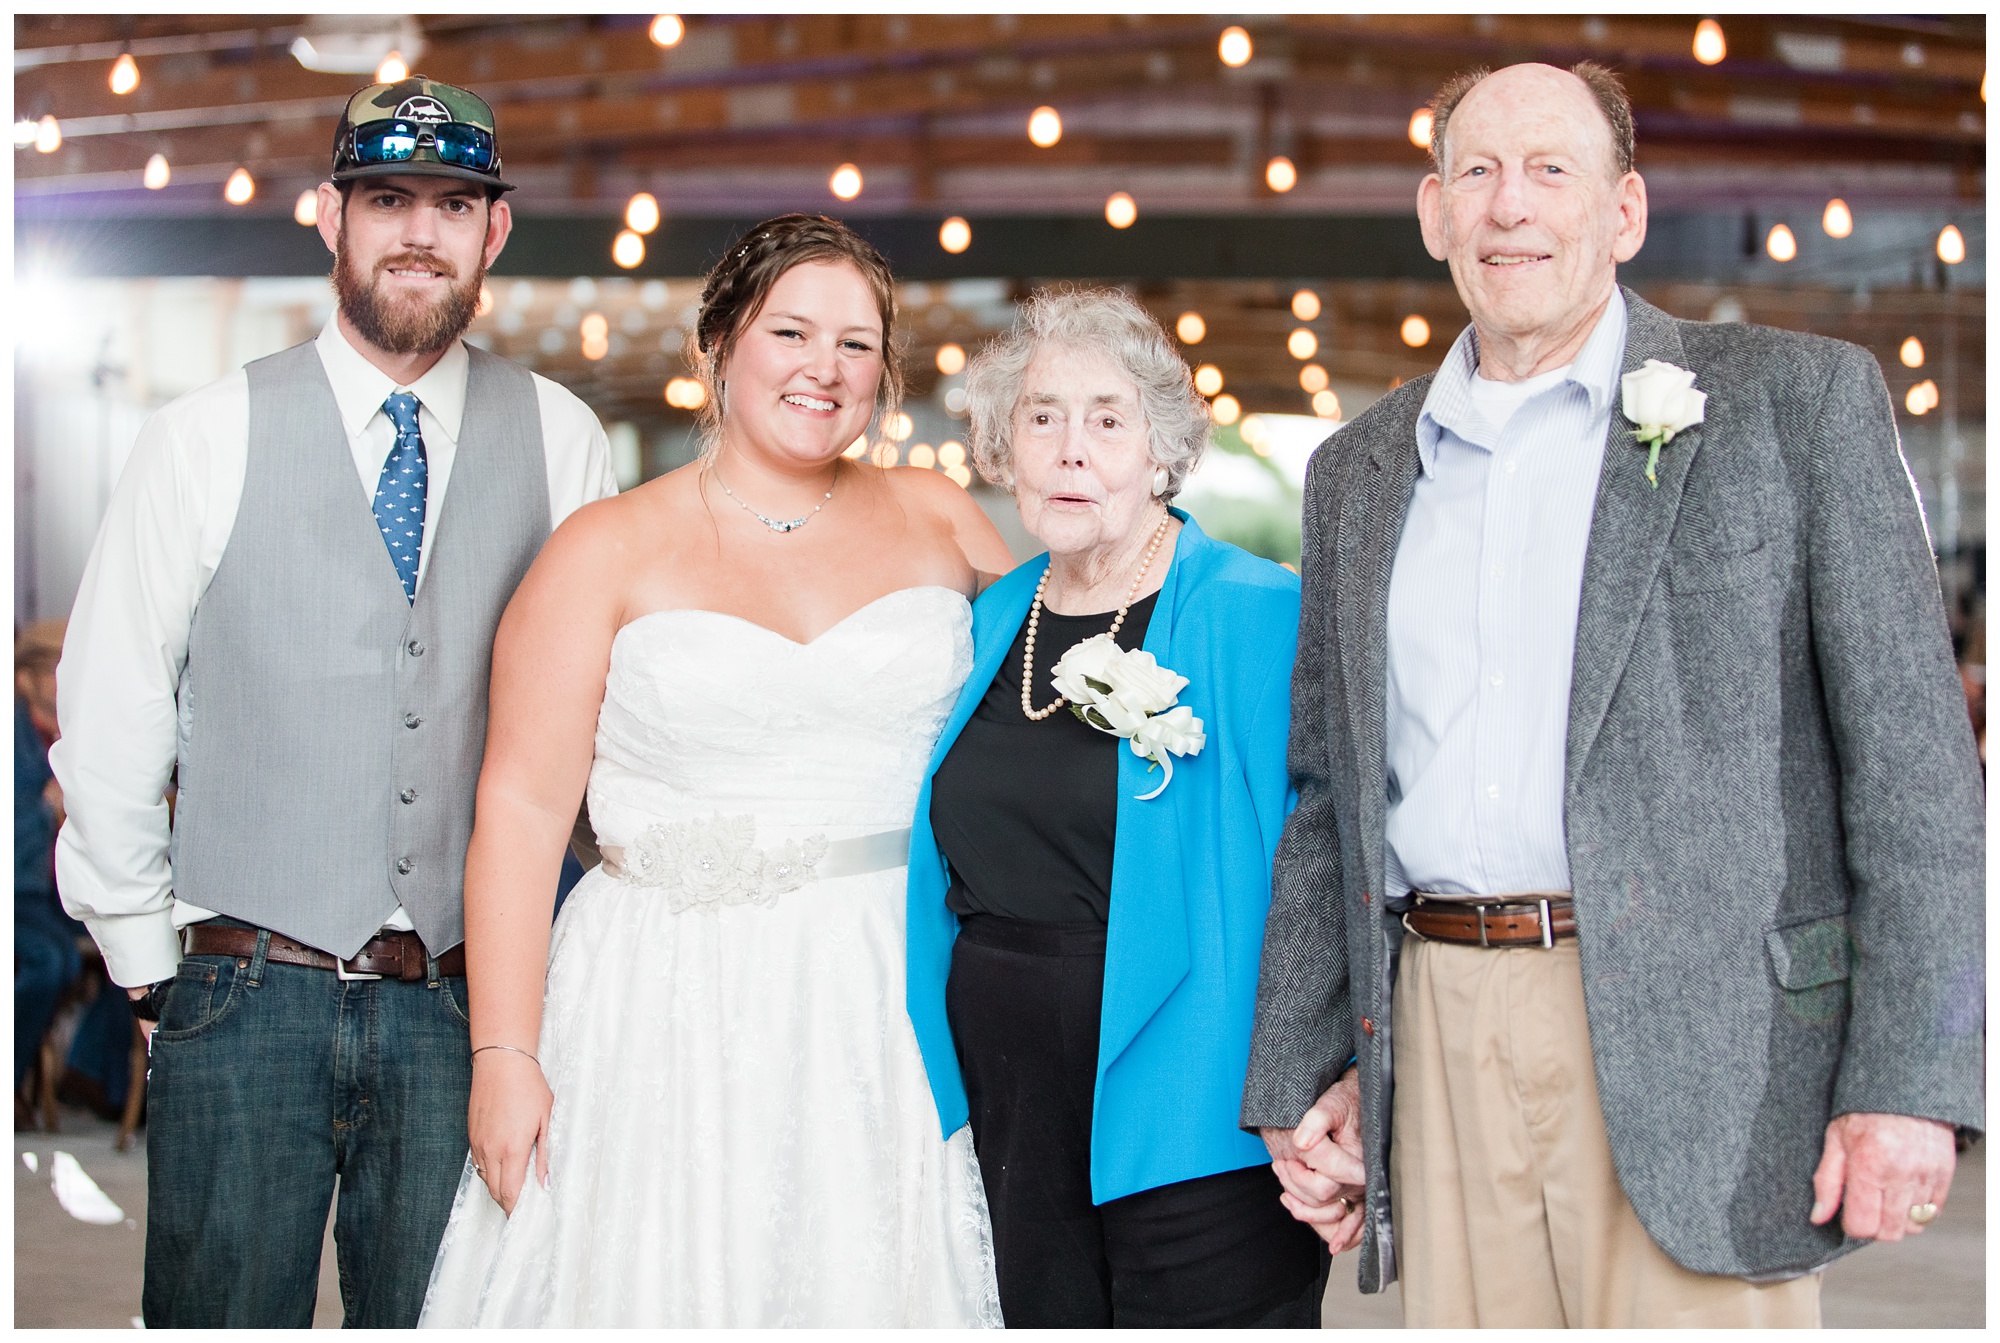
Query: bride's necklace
1035, 619
779, 525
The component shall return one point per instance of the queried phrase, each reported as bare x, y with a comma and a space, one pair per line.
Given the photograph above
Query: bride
698, 1100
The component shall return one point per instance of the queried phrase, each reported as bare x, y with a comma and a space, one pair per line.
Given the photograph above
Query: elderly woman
1083, 942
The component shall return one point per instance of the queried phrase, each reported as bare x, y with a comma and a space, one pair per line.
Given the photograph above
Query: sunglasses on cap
454, 142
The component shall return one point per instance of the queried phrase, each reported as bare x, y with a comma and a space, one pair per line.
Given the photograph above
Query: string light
1912, 353
1838, 221
1208, 380
1190, 328
960, 476
1781, 244
1225, 409
1281, 175
898, 427
1235, 47
628, 249
666, 30
1120, 210
1326, 405
951, 453
1709, 46
642, 213
485, 304
951, 358
1305, 305
1254, 432
48, 135
1922, 398
1415, 331
393, 69
1312, 378
954, 235
158, 173
305, 210
1422, 122
24, 132
1302, 344
1951, 245
593, 326
887, 455
689, 394
856, 448
845, 182
923, 456
124, 74
1044, 127
239, 188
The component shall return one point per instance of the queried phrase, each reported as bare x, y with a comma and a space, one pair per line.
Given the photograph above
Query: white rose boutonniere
1127, 693
1660, 400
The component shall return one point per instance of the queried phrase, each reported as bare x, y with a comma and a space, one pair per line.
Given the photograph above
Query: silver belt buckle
340, 971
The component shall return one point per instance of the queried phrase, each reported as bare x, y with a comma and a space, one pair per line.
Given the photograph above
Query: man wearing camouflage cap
292, 602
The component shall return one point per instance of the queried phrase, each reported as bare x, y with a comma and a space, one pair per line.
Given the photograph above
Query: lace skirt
743, 1132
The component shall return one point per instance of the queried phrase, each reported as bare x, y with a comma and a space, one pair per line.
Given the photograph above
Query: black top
1027, 812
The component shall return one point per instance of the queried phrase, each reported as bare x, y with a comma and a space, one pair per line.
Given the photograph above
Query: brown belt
386, 956
1511, 921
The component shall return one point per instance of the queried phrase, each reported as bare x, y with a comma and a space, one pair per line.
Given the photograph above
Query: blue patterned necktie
399, 498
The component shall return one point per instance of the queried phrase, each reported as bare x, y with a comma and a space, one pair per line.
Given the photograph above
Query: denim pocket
453, 993
205, 991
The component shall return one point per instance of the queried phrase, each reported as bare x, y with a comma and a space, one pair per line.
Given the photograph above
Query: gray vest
330, 730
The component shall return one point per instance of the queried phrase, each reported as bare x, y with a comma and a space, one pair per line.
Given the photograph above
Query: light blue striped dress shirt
1482, 625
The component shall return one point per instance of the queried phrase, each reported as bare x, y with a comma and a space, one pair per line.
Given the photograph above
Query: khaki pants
1508, 1210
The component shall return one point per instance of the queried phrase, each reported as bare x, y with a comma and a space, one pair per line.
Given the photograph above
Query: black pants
1024, 1000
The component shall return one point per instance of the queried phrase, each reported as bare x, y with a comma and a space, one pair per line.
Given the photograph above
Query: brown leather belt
386, 956
1511, 921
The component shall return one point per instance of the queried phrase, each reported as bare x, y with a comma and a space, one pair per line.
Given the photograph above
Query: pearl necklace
779, 525
1035, 619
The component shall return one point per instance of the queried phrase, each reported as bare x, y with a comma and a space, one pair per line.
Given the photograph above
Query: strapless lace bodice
706, 713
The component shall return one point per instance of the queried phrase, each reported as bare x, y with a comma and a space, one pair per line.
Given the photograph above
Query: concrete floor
71, 1274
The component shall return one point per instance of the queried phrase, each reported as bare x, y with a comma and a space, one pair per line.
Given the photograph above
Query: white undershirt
1497, 401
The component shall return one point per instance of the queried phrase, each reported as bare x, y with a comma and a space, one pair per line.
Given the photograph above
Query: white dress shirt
1482, 620
162, 537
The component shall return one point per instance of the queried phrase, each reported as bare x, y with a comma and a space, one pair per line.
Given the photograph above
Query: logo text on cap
422, 108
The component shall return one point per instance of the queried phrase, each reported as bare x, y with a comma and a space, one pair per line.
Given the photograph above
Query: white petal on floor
79, 1194
31, 1161
138, 1322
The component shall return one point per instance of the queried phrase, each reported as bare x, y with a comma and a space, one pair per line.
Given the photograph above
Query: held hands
1319, 1164
1876, 1168
508, 1118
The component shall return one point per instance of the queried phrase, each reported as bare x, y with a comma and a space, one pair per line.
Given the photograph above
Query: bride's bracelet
510, 1049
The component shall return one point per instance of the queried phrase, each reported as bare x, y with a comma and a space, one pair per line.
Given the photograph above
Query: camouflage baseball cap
417, 127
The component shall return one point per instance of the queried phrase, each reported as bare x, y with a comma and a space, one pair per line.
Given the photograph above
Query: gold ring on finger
1922, 1213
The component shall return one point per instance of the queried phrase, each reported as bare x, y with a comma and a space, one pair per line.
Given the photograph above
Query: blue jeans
269, 1083
45, 961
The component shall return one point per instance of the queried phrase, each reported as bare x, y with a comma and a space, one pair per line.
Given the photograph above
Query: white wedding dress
743, 1132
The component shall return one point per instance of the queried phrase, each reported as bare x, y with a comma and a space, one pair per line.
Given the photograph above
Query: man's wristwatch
147, 1007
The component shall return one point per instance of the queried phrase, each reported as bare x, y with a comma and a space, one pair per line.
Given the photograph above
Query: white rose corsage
1125, 692
1660, 400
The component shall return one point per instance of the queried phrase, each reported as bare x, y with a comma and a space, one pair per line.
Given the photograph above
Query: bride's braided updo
735, 291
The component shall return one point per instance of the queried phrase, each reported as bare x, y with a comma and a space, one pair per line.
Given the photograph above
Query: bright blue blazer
1190, 877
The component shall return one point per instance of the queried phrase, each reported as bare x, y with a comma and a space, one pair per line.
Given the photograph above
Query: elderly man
291, 608
1639, 831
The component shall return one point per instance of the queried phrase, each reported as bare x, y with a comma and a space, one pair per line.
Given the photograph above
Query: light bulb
628, 249
1922, 398
125, 74
240, 187
1234, 47
1281, 175
158, 173
393, 69
952, 453
1190, 328
898, 427
1415, 331
1225, 408
642, 213
1302, 343
305, 210
954, 235
1951, 245
594, 326
666, 30
1781, 244
1305, 305
1709, 46
959, 476
1044, 127
1120, 210
1208, 380
1838, 221
48, 135
951, 358
1912, 353
856, 448
1312, 378
1326, 405
24, 132
923, 456
1422, 122
845, 182
485, 304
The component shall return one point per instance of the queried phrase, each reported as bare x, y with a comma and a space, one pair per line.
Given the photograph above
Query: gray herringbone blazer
1772, 801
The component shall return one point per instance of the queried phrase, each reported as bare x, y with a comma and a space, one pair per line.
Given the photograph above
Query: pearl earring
1161, 479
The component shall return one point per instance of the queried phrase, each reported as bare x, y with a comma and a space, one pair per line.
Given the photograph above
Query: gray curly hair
1101, 321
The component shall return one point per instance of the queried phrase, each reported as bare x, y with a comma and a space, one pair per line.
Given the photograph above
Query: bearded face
391, 316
